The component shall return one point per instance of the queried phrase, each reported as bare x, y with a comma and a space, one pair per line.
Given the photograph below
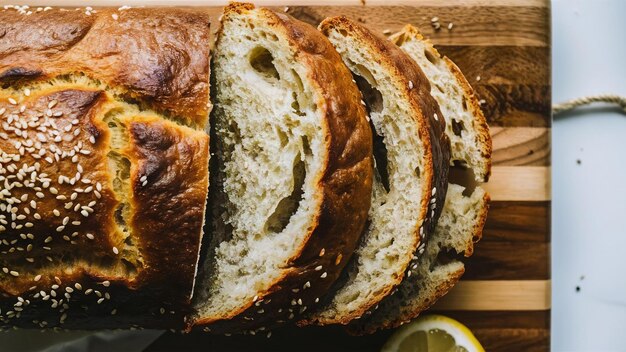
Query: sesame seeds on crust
42, 215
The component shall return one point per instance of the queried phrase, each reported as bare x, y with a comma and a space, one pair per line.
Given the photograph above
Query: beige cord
604, 98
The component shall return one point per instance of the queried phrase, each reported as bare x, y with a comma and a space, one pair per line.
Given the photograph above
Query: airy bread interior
395, 215
465, 123
270, 152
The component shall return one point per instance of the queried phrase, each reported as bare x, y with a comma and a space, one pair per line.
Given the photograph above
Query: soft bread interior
270, 153
395, 216
465, 124
439, 267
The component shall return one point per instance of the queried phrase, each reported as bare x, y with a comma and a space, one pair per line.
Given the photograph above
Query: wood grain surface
503, 47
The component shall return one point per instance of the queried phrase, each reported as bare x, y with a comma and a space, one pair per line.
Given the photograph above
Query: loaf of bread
293, 180
329, 200
461, 223
103, 166
411, 154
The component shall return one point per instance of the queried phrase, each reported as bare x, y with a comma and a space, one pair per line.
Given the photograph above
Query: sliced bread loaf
466, 125
438, 269
411, 154
461, 223
294, 172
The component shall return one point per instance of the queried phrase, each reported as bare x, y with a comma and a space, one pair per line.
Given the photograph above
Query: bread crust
106, 278
430, 125
344, 188
159, 57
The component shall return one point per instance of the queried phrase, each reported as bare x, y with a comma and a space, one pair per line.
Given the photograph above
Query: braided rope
604, 98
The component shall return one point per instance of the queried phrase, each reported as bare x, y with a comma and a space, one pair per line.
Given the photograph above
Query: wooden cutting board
503, 47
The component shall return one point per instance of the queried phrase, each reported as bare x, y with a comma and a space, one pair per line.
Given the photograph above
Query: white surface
589, 200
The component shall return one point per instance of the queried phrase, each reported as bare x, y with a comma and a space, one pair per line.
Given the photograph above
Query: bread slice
434, 273
294, 174
411, 154
466, 125
438, 269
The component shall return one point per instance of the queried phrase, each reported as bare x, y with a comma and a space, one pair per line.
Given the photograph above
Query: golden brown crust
110, 203
413, 312
157, 56
169, 203
345, 186
430, 124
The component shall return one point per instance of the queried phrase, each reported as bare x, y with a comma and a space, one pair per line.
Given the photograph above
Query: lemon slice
433, 333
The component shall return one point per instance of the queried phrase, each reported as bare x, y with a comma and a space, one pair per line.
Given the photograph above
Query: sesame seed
115, 16
106, 283
324, 275
436, 117
115, 250
12, 101
162, 310
322, 252
477, 78
387, 31
100, 300
27, 92
434, 19
434, 191
37, 278
89, 236
318, 268
450, 25
52, 104
69, 289
14, 273
410, 84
